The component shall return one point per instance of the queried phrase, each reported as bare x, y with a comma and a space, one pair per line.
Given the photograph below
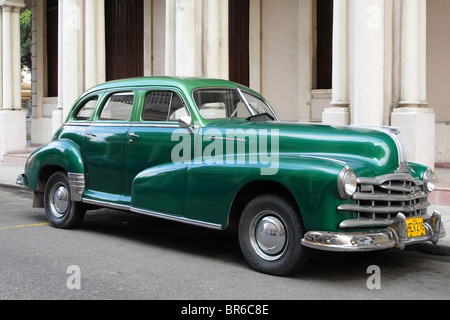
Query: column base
57, 120
13, 132
41, 130
417, 133
337, 116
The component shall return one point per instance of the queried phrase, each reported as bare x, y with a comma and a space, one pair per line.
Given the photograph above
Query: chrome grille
380, 199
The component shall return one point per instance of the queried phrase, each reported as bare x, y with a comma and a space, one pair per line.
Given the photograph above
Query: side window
118, 107
85, 112
163, 106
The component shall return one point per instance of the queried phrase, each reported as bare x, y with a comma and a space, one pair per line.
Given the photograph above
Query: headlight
429, 180
347, 183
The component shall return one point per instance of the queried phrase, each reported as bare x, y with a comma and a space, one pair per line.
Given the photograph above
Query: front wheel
61, 211
270, 234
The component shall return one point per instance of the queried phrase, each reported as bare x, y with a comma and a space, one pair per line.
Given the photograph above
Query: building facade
339, 62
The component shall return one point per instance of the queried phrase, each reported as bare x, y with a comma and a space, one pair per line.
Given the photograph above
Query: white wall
279, 56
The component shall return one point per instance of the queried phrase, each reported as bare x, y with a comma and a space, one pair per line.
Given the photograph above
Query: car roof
188, 84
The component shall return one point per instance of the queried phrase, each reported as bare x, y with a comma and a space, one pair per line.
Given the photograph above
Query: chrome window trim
240, 91
145, 91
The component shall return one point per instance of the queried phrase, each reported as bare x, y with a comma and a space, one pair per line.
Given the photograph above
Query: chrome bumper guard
395, 236
19, 180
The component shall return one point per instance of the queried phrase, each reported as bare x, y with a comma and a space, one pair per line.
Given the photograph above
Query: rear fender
57, 155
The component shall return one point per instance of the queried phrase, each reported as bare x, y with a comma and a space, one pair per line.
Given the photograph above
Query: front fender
312, 181
64, 154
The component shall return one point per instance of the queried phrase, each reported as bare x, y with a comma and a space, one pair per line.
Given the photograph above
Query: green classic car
213, 153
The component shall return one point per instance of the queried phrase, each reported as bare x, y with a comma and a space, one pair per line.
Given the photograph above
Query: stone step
16, 158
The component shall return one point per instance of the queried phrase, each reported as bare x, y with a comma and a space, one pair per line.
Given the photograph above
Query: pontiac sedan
213, 154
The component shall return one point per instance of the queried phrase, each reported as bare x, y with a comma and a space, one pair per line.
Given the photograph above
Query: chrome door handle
133, 136
90, 134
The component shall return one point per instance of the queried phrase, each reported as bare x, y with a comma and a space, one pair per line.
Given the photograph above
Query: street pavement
117, 255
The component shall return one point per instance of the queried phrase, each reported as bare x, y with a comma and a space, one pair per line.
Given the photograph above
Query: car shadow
224, 246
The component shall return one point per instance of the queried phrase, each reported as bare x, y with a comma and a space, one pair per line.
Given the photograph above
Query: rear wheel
270, 234
61, 211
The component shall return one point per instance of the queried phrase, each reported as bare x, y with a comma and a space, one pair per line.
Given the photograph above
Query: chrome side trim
226, 139
154, 214
176, 218
77, 185
107, 204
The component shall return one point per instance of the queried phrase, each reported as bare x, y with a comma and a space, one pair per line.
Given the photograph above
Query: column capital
8, 4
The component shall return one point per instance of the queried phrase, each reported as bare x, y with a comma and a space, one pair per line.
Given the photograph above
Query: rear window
85, 112
118, 107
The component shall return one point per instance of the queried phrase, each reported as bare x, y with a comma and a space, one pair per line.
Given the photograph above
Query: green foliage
25, 38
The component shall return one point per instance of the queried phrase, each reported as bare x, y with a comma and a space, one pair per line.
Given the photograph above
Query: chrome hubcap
268, 235
60, 201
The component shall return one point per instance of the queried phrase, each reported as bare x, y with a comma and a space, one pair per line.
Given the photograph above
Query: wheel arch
44, 175
254, 189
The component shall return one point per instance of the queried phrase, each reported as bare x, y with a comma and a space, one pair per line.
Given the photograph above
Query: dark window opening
324, 44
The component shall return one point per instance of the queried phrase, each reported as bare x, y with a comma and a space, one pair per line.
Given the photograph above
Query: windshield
231, 103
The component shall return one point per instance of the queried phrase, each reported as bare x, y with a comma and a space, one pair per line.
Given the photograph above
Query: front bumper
395, 236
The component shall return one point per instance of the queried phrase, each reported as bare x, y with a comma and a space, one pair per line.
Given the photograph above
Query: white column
16, 61
1, 58
170, 37
224, 58
254, 45
216, 34
90, 45
94, 43
368, 62
70, 80
212, 39
7, 59
57, 116
101, 41
148, 37
423, 52
338, 113
410, 54
186, 40
416, 122
12, 118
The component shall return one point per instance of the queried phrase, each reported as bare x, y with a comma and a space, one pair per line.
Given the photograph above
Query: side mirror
186, 122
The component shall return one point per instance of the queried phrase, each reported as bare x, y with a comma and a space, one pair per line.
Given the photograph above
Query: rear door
104, 146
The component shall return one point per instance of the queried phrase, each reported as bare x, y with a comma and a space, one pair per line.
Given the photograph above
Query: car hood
368, 151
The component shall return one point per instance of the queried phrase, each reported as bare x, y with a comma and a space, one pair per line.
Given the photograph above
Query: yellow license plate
415, 227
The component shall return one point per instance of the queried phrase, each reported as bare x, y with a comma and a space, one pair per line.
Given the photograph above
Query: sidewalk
10, 171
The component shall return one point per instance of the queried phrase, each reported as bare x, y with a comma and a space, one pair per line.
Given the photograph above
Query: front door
124, 39
239, 35
150, 144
